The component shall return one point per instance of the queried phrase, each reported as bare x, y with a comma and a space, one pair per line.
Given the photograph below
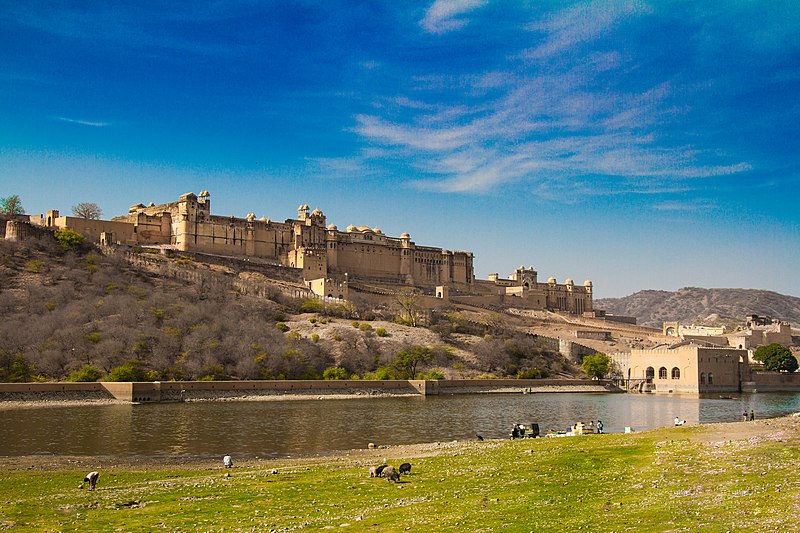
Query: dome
377, 230
317, 212
551, 280
569, 282
405, 235
264, 219
351, 228
332, 227
587, 283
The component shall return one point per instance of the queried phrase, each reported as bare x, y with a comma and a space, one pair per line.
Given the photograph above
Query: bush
433, 374
312, 320
87, 373
315, 337
365, 327
130, 371
213, 373
531, 373
282, 326
312, 305
334, 372
355, 324
15, 370
34, 266
68, 239
381, 374
381, 332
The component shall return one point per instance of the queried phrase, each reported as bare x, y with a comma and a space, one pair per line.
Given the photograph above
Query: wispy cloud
692, 205
447, 15
555, 125
92, 123
582, 23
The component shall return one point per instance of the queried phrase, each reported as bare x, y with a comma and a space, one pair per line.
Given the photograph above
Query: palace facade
328, 257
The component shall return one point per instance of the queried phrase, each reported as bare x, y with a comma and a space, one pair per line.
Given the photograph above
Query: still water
304, 427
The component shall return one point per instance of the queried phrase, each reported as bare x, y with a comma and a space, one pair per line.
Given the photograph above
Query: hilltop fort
327, 258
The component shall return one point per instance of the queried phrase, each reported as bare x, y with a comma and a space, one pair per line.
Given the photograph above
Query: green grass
664, 480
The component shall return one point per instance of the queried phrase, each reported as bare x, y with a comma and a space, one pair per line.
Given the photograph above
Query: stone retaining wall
186, 390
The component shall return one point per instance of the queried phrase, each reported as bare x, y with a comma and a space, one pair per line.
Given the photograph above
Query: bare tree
87, 210
410, 311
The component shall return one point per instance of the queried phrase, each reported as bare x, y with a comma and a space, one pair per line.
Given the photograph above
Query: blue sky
643, 145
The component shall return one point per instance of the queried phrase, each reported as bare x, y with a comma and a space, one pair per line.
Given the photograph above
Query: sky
642, 145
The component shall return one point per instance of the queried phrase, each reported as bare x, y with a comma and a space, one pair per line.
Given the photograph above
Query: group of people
518, 431
746, 417
581, 428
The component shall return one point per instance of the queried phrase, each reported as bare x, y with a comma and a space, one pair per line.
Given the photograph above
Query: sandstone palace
330, 259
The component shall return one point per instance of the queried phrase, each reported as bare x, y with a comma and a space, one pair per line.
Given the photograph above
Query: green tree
11, 205
776, 357
407, 360
68, 238
768, 351
87, 210
597, 365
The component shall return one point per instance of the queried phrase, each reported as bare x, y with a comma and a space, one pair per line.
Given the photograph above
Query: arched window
710, 378
662, 373
702, 378
649, 373
676, 373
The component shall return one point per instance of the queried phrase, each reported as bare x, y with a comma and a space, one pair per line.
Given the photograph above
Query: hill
702, 306
87, 314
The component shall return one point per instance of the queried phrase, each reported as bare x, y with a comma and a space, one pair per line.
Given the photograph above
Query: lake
272, 429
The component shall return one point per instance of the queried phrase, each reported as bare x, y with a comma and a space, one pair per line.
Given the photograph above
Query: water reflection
278, 429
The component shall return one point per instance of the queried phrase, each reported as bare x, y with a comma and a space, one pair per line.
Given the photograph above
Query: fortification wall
776, 381
164, 267
20, 231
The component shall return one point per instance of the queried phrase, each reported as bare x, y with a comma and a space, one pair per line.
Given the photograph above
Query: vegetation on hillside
72, 313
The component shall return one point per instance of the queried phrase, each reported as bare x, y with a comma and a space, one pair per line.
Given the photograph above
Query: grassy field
719, 477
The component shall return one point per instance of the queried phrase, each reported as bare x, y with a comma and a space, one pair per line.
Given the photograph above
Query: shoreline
78, 399
715, 435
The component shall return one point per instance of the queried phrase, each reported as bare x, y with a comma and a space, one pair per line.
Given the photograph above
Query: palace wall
320, 251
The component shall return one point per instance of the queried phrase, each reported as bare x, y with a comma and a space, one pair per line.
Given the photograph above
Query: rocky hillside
703, 306
80, 314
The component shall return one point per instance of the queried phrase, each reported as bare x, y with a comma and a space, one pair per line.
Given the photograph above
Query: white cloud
557, 126
677, 205
92, 123
582, 23
446, 15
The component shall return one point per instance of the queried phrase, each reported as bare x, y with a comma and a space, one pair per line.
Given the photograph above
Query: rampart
177, 268
19, 230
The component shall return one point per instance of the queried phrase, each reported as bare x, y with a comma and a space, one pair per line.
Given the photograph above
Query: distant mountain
693, 305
